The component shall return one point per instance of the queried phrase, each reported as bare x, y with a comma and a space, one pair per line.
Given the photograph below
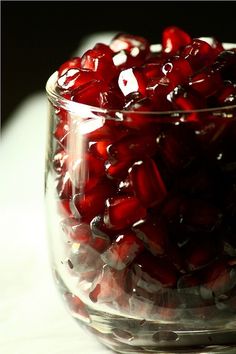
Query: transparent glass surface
141, 213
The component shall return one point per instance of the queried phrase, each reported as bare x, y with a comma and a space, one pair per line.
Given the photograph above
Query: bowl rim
75, 107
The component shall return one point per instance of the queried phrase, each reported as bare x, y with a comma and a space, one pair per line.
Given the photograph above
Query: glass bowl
141, 213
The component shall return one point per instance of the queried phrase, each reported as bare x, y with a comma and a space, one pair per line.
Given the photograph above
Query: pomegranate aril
99, 149
61, 133
64, 186
206, 83
177, 70
99, 60
122, 212
147, 182
75, 230
199, 54
136, 119
137, 47
75, 78
225, 64
173, 39
125, 248
132, 80
227, 94
157, 268
89, 94
133, 147
108, 286
74, 63
64, 208
153, 234
118, 169
217, 46
60, 161
91, 203
157, 91
77, 306
111, 99
177, 147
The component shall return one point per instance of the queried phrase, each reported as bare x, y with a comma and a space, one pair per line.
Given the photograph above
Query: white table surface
33, 319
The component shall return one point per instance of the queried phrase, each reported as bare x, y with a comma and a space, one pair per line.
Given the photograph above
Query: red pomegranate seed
199, 54
178, 147
60, 161
111, 99
77, 231
153, 70
216, 278
173, 39
118, 169
73, 63
133, 147
122, 212
157, 268
147, 182
109, 131
206, 83
99, 60
177, 70
92, 202
61, 133
217, 46
132, 80
198, 253
153, 234
75, 78
64, 209
137, 47
227, 94
108, 286
225, 64
90, 93
64, 186
99, 149
77, 306
123, 251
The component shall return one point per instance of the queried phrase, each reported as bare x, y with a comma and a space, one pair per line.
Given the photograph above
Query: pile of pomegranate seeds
150, 206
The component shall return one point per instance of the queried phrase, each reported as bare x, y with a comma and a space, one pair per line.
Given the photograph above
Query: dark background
38, 36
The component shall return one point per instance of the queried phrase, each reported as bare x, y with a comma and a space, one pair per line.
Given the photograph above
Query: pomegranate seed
157, 268
133, 147
139, 116
64, 186
206, 83
153, 234
61, 133
64, 209
92, 202
60, 161
75, 78
199, 254
99, 60
122, 212
217, 46
178, 147
173, 39
73, 63
99, 149
225, 64
123, 251
111, 99
79, 232
199, 54
147, 182
132, 80
89, 94
227, 94
157, 91
108, 286
153, 70
77, 306
137, 47
177, 70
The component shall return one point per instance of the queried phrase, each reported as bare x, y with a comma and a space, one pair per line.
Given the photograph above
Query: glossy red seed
75, 78
153, 234
111, 99
133, 147
199, 253
99, 60
77, 231
157, 268
137, 116
60, 161
92, 202
147, 182
177, 70
73, 63
99, 149
132, 80
118, 169
64, 209
61, 133
77, 306
178, 147
173, 39
227, 94
108, 131
108, 286
157, 91
90, 93
153, 70
122, 251
137, 47
64, 186
225, 64
206, 83
216, 277
199, 54
122, 212
217, 46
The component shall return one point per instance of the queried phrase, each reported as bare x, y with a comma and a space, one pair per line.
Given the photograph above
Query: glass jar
142, 224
